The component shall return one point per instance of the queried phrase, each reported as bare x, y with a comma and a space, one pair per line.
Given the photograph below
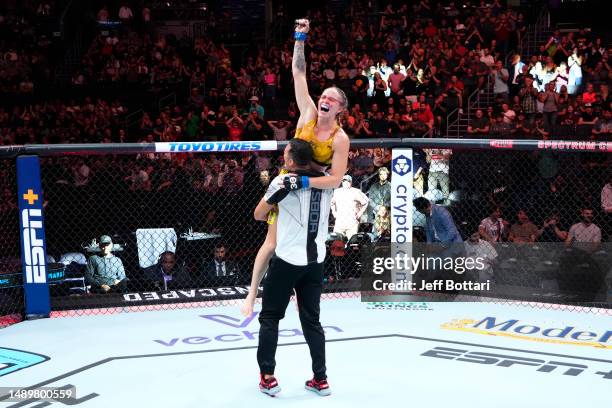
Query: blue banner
33, 245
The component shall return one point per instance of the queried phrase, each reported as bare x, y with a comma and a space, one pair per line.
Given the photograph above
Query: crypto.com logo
401, 165
233, 337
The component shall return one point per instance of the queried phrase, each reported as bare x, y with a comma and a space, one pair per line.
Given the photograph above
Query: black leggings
278, 287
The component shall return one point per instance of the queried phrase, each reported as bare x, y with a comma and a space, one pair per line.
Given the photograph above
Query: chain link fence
11, 288
181, 227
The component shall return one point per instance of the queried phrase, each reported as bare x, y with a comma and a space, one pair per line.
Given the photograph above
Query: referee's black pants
278, 287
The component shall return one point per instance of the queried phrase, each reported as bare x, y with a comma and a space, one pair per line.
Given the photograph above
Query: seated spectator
500, 128
523, 126
105, 272
540, 129
589, 96
588, 117
380, 125
166, 274
477, 248
603, 125
219, 271
424, 113
382, 223
494, 228
524, 230
552, 230
508, 114
584, 235
479, 125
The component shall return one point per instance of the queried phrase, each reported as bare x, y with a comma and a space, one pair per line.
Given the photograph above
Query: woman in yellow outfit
318, 125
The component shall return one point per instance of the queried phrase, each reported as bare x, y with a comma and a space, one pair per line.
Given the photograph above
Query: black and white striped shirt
302, 224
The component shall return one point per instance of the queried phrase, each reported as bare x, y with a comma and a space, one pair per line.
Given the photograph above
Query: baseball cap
347, 178
105, 239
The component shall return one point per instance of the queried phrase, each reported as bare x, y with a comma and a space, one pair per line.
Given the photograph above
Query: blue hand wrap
298, 36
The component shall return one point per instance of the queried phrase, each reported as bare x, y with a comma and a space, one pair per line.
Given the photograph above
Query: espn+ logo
34, 253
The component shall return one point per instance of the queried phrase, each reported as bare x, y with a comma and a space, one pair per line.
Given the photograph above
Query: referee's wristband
305, 182
298, 36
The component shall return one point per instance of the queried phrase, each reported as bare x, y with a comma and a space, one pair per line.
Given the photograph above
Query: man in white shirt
509, 114
482, 253
439, 169
584, 235
348, 205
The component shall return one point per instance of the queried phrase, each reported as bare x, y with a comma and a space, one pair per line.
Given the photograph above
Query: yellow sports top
322, 150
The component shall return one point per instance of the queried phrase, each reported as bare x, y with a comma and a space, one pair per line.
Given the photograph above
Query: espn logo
34, 253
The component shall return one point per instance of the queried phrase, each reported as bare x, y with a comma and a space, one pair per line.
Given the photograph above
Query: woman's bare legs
262, 260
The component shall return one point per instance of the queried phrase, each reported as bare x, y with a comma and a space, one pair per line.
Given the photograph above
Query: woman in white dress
562, 77
574, 62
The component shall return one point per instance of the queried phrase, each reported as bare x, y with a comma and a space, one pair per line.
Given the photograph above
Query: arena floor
410, 354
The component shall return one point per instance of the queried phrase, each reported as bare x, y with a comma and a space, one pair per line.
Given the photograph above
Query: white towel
152, 242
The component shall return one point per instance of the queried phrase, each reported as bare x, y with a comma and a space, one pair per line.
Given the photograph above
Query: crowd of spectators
404, 70
27, 53
561, 92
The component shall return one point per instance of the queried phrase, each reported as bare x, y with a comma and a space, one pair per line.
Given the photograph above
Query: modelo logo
561, 333
505, 361
214, 146
35, 263
513, 328
233, 337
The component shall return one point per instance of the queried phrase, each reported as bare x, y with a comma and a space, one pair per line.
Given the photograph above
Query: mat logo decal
231, 321
505, 361
408, 306
236, 336
12, 360
515, 329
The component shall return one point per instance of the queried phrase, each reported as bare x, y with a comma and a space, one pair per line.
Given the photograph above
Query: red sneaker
320, 387
269, 386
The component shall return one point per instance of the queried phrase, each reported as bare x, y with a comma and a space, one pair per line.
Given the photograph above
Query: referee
297, 264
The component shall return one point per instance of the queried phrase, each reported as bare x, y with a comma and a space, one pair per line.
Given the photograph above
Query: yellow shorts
274, 213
